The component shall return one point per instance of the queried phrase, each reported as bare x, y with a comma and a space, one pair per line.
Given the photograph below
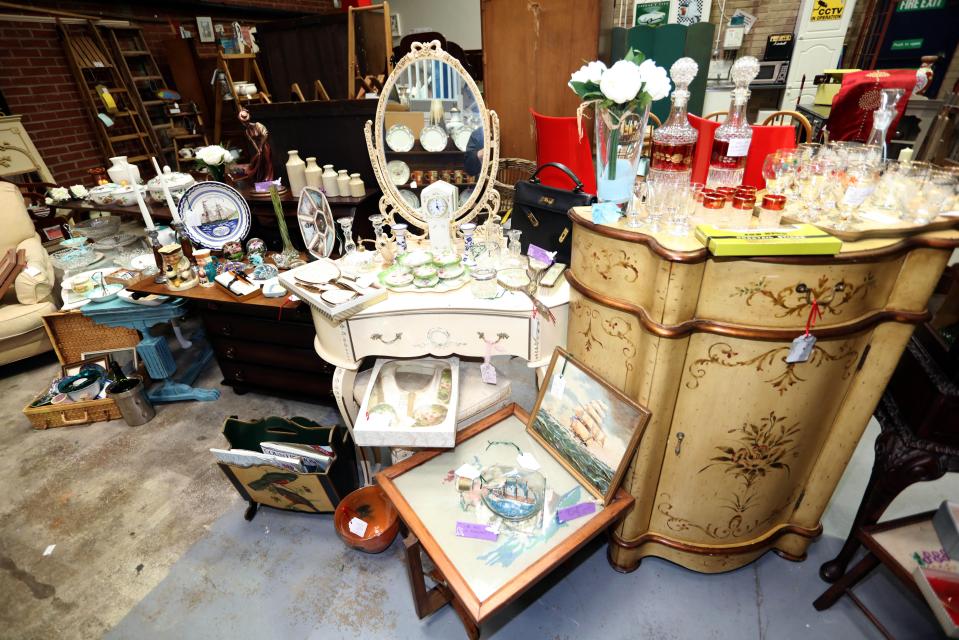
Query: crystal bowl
97, 228
73, 259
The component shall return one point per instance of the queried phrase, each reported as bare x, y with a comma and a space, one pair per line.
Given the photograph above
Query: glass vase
619, 145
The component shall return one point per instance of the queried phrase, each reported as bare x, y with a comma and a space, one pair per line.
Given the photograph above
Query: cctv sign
827, 10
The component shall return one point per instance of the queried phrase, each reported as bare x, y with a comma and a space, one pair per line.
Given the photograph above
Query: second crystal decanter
883, 117
675, 141
727, 163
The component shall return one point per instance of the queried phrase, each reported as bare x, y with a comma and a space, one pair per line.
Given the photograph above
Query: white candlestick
147, 220
166, 191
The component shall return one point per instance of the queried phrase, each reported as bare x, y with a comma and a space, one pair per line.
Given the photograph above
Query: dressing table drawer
440, 334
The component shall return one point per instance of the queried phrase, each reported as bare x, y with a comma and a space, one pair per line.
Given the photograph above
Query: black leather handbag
540, 212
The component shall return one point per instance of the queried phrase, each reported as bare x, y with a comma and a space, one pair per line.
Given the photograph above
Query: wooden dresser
743, 451
257, 346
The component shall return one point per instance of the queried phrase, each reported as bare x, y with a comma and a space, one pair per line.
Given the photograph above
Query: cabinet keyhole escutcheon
680, 436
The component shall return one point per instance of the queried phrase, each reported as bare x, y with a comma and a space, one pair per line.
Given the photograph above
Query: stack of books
299, 458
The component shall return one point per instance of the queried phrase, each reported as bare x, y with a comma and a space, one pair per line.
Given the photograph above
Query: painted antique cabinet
743, 451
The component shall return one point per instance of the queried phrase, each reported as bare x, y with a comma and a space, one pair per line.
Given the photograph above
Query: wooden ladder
142, 76
250, 72
119, 126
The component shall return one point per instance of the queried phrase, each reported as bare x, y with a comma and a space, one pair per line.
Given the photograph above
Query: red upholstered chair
557, 140
704, 146
766, 139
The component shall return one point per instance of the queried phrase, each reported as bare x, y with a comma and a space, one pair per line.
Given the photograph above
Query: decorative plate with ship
214, 214
511, 493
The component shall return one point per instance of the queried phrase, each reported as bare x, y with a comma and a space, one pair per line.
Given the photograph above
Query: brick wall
37, 84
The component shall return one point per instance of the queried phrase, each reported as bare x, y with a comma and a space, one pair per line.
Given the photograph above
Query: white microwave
772, 72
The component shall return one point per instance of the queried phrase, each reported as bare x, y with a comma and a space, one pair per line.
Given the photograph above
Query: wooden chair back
793, 118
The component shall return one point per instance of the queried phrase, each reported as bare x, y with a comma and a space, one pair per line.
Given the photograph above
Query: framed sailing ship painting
588, 426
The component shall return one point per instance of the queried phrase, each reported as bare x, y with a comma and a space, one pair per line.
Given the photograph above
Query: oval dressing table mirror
434, 146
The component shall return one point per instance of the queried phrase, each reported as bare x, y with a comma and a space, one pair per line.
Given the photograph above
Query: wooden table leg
897, 465
846, 582
429, 601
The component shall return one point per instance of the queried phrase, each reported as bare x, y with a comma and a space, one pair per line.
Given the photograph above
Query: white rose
59, 193
78, 191
48, 200
212, 155
655, 80
621, 82
591, 72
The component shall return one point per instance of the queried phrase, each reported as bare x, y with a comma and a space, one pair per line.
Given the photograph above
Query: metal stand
154, 237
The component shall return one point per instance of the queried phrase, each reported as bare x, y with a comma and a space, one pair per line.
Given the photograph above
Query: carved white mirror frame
484, 199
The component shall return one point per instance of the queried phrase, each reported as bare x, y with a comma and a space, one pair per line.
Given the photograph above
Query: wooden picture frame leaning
585, 423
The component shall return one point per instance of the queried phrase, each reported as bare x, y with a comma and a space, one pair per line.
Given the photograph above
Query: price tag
801, 348
738, 147
467, 471
488, 373
557, 386
32, 271
540, 254
855, 196
357, 527
475, 530
576, 511
528, 461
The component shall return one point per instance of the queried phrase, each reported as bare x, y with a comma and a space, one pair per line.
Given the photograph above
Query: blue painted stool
154, 350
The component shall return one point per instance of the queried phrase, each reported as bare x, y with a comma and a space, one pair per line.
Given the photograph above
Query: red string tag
815, 313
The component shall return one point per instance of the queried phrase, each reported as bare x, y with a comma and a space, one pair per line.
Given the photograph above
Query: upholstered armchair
31, 297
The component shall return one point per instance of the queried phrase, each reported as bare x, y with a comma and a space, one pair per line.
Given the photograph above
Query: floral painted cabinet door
746, 431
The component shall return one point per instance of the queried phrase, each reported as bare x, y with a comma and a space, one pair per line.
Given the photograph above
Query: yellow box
788, 240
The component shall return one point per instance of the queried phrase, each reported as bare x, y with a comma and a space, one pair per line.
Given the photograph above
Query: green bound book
787, 240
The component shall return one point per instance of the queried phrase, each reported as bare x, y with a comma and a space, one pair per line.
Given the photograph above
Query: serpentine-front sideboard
743, 451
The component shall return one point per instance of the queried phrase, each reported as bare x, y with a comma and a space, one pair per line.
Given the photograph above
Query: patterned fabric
851, 115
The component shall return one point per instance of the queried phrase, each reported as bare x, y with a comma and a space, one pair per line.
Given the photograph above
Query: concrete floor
151, 543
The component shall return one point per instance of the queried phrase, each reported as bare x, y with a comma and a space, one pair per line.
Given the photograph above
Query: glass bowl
73, 259
97, 228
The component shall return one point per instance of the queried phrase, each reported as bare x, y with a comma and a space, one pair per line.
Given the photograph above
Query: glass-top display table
437, 507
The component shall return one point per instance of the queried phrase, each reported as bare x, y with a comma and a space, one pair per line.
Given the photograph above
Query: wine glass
633, 219
678, 207
771, 172
655, 205
856, 184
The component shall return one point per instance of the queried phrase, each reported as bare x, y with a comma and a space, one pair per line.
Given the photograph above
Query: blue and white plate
214, 214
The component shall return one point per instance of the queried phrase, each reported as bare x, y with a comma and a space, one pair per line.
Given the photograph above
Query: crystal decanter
883, 117
674, 142
731, 143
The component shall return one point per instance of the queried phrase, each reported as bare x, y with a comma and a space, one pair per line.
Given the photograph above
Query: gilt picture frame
205, 32
590, 427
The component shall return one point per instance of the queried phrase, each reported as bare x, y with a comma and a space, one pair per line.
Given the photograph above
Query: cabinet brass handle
680, 436
238, 375
230, 352
227, 330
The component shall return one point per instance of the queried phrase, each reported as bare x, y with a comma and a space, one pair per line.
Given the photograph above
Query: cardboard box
412, 119
787, 240
410, 403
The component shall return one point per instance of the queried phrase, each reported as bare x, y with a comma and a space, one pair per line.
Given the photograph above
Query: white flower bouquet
628, 87
214, 158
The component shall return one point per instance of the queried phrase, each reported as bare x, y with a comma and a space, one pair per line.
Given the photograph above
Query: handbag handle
562, 167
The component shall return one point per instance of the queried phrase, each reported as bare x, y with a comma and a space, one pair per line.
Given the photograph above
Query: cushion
17, 319
14, 219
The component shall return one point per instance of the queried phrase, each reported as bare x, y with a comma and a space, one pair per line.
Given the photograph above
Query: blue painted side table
154, 350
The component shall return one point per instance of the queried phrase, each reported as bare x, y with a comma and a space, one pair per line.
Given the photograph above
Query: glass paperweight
513, 493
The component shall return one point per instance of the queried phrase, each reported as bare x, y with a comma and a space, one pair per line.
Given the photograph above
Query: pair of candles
144, 211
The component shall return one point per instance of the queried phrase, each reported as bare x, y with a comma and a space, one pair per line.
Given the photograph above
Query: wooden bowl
370, 505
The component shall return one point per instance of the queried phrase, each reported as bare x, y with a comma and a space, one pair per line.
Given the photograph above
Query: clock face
399, 171
437, 206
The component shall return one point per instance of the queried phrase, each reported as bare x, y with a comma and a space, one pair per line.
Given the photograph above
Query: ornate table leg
899, 463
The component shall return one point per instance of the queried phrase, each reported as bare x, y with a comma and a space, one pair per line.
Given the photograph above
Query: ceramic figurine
177, 268
232, 250
204, 264
260, 167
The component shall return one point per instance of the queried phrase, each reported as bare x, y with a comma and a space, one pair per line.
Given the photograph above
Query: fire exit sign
903, 45
920, 5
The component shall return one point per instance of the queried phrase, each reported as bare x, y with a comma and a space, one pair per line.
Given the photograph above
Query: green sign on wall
902, 45
920, 5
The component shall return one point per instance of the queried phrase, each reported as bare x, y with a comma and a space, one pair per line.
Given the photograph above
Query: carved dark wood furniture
919, 417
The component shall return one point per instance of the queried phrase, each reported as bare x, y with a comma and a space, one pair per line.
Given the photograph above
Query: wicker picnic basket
73, 334
509, 172
74, 413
